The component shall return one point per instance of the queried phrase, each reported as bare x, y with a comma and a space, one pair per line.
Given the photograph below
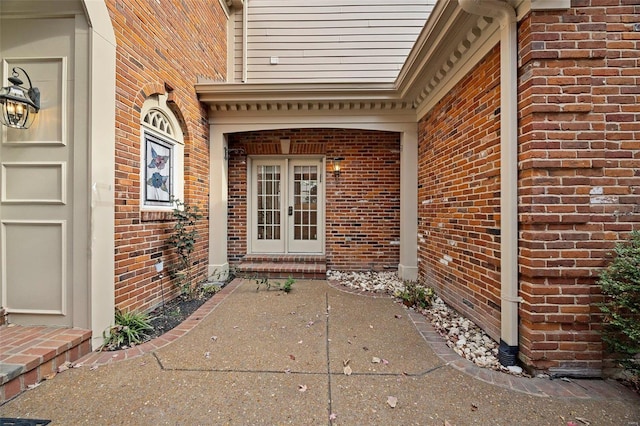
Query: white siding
327, 40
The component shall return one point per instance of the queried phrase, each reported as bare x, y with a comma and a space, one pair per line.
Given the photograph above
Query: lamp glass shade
17, 108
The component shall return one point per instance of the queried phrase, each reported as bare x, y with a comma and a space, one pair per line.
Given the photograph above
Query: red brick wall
362, 207
458, 196
160, 49
579, 180
580, 172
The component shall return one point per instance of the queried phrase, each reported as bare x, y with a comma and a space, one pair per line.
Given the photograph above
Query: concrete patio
267, 357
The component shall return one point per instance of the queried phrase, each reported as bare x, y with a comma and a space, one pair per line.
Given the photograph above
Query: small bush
129, 330
620, 284
416, 295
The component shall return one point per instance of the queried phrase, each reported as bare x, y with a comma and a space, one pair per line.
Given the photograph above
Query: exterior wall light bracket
19, 105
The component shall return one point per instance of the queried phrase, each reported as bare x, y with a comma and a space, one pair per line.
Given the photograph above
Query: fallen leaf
346, 362
310, 323
93, 368
302, 388
78, 365
299, 342
364, 348
370, 326
347, 371
292, 357
287, 371
214, 338
474, 407
398, 316
349, 341
207, 355
384, 361
33, 386
50, 376
375, 360
333, 416
392, 401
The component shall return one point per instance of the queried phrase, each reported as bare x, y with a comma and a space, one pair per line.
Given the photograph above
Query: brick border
559, 388
101, 358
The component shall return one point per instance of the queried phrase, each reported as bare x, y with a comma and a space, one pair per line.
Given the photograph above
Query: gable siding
334, 40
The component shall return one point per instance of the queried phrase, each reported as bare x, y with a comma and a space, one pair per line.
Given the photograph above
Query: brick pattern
156, 56
30, 354
458, 196
580, 172
579, 161
362, 206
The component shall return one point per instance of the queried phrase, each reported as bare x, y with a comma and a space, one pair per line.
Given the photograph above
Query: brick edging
573, 388
101, 358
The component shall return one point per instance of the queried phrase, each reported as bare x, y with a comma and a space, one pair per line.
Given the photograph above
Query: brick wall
160, 50
579, 180
458, 196
362, 206
580, 172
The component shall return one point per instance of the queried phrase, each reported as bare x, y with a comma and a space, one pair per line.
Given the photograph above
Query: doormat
6, 421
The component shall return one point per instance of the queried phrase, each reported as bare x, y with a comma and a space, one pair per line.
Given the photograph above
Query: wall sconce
19, 105
229, 151
337, 167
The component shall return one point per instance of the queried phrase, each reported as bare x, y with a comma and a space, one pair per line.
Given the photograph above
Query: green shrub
416, 295
620, 284
129, 330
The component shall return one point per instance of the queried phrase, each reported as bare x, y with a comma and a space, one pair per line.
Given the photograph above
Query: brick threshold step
30, 353
283, 266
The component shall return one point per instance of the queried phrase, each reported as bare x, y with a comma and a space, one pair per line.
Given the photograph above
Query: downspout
501, 10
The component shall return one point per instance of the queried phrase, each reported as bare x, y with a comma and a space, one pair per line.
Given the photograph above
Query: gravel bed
462, 335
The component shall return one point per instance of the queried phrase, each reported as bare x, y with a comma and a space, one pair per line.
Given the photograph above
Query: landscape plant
416, 295
620, 283
183, 239
130, 329
286, 287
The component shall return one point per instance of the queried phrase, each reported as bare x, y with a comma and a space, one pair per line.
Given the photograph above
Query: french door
286, 208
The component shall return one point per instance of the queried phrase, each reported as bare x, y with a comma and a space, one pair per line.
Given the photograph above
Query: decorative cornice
446, 47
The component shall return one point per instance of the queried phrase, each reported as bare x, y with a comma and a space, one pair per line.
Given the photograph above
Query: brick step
28, 354
312, 267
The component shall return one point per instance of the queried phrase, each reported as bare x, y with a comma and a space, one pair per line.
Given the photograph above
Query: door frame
285, 199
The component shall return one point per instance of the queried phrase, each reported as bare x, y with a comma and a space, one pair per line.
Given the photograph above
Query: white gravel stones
462, 335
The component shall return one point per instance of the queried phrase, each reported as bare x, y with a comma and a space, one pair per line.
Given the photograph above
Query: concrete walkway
271, 358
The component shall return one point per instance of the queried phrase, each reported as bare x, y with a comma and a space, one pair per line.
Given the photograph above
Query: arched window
162, 151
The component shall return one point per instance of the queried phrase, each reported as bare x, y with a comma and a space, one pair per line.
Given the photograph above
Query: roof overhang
449, 44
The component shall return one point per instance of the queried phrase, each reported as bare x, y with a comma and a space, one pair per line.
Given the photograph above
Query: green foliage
129, 330
183, 239
416, 295
286, 287
620, 284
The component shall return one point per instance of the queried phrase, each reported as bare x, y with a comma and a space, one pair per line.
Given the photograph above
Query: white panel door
286, 206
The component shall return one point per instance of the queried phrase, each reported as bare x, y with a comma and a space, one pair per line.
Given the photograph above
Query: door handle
290, 210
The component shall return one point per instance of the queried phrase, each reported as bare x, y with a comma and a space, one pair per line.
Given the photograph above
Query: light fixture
229, 151
337, 168
19, 105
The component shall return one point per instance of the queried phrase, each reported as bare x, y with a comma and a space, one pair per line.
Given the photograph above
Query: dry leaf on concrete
347, 370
